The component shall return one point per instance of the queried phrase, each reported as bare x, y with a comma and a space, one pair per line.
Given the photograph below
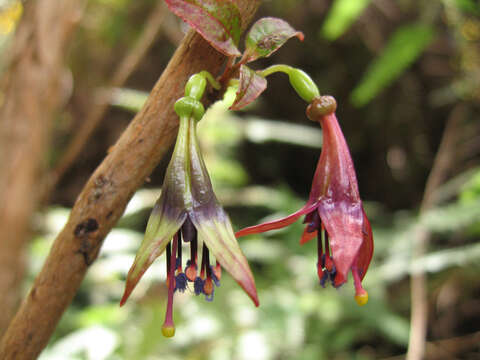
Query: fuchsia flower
333, 209
188, 210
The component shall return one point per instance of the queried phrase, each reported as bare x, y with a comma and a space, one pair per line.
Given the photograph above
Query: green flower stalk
189, 211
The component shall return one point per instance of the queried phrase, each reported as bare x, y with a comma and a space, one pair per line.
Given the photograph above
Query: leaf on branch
266, 36
251, 86
217, 21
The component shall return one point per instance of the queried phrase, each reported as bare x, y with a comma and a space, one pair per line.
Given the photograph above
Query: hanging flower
188, 211
334, 212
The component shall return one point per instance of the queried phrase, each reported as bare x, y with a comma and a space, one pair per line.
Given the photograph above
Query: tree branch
104, 197
418, 292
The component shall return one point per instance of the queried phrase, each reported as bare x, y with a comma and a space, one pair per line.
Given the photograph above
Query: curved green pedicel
299, 79
196, 84
190, 105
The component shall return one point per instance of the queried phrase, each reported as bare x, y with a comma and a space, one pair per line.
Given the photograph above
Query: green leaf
218, 21
341, 16
404, 47
266, 36
251, 86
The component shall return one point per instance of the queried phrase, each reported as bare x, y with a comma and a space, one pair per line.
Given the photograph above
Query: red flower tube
334, 212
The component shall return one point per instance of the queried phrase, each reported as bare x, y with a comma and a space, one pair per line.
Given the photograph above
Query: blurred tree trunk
32, 89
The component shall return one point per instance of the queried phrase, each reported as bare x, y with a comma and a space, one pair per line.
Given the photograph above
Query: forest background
406, 76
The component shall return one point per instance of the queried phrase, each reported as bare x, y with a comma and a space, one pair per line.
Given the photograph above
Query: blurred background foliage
399, 71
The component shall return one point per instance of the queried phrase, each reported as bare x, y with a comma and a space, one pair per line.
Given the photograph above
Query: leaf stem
209, 77
275, 68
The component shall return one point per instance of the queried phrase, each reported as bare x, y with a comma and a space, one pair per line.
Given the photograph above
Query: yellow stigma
168, 331
361, 298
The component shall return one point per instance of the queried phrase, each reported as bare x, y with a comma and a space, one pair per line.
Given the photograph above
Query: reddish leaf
218, 21
266, 36
251, 86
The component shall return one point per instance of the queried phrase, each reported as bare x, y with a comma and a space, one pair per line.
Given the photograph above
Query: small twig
441, 166
104, 197
98, 110
447, 348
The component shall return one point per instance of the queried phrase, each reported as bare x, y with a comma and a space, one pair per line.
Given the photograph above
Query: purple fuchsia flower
334, 212
188, 210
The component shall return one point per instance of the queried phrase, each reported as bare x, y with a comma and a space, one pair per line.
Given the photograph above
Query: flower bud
195, 86
303, 84
189, 107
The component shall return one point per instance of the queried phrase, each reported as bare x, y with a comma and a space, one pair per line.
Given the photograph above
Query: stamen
191, 268
210, 297
320, 260
327, 244
208, 286
178, 262
313, 221
320, 272
217, 270
168, 327
331, 274
191, 271
361, 295
181, 282
324, 279
198, 286
215, 278
205, 261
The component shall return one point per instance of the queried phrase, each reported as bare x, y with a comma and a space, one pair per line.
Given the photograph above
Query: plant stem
275, 68
421, 237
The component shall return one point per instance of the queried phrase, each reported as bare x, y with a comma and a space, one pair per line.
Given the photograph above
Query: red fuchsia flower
334, 212
188, 210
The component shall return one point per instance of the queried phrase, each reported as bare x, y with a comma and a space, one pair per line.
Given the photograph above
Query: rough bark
104, 197
33, 92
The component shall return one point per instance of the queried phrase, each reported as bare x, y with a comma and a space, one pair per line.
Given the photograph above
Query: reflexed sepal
212, 223
169, 213
215, 229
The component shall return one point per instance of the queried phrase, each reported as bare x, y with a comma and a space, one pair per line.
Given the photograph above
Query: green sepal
169, 212
187, 191
213, 224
